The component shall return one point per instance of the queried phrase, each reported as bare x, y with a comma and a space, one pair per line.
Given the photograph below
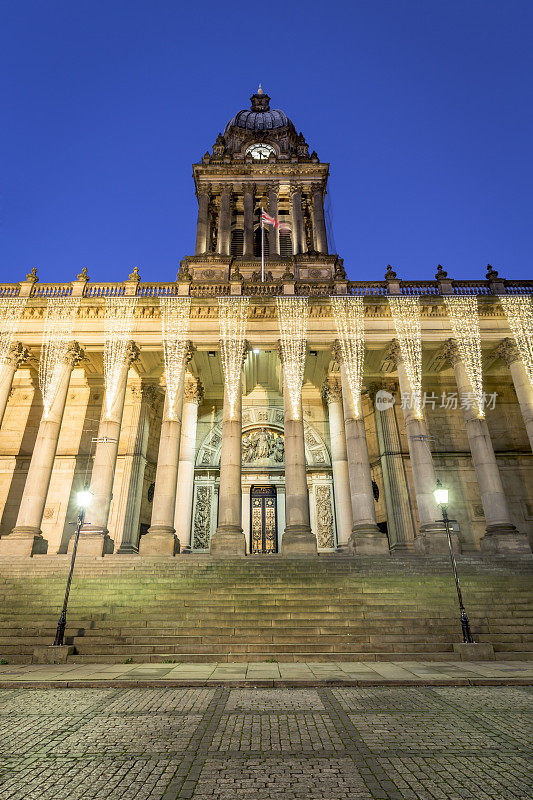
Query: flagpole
262, 249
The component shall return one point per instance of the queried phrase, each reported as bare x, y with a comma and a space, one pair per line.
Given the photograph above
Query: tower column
508, 351
16, 356
366, 538
26, 537
298, 538
228, 540
501, 535
94, 533
224, 222
432, 533
319, 222
202, 224
400, 523
273, 233
332, 392
192, 397
248, 247
160, 539
298, 227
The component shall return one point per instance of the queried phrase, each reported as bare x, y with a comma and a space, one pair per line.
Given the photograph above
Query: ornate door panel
263, 523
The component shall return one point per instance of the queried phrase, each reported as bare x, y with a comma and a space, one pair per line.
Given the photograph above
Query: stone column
202, 224
273, 233
161, 539
332, 393
319, 221
224, 222
297, 538
400, 523
192, 398
228, 539
248, 199
501, 535
26, 537
129, 510
94, 536
366, 538
16, 356
298, 227
508, 352
432, 531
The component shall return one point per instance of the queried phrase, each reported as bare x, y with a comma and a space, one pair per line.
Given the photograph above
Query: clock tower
260, 161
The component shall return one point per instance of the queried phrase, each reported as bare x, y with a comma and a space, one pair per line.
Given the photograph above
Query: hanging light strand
11, 310
232, 316
57, 333
463, 313
349, 313
519, 312
118, 325
292, 316
406, 313
175, 316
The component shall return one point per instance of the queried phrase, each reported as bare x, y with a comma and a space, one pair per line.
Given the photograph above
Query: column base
93, 542
159, 542
368, 540
298, 540
433, 541
228, 541
127, 550
23, 541
503, 540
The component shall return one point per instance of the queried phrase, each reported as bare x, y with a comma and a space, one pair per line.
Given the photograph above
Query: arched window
257, 242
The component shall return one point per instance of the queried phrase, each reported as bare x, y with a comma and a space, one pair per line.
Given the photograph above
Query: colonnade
219, 205
354, 502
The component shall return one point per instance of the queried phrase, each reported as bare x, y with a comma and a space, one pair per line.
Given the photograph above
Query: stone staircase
265, 608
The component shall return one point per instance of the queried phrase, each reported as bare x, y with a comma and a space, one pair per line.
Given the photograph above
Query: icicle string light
464, 319
11, 309
232, 316
175, 315
292, 316
118, 325
57, 333
349, 313
406, 313
519, 312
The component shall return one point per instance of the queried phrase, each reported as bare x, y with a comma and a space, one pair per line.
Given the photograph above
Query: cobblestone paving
382, 743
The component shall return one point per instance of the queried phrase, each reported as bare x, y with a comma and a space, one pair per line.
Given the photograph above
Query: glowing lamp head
441, 495
256, 350
84, 498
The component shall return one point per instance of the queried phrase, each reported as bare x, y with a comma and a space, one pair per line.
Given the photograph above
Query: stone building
267, 479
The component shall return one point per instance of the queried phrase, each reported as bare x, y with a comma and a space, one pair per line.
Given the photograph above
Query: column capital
132, 353
17, 355
332, 389
387, 385
336, 352
203, 189
394, 352
295, 188
508, 351
271, 188
190, 350
193, 391
450, 352
74, 354
248, 187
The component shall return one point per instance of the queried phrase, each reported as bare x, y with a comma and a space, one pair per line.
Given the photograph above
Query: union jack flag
268, 220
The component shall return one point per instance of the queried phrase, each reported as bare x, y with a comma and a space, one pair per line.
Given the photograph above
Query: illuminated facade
264, 417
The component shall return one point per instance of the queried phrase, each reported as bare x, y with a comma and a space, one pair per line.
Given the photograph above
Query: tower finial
260, 90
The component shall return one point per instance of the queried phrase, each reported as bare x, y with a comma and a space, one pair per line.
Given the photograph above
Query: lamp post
84, 499
441, 498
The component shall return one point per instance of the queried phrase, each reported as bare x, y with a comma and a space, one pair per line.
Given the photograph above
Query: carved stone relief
263, 447
324, 516
202, 518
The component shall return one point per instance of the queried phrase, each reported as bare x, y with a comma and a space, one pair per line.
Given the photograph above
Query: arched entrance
263, 520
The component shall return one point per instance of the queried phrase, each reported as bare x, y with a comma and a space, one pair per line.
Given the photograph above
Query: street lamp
84, 499
441, 498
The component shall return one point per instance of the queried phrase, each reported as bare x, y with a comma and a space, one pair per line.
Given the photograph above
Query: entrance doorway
263, 520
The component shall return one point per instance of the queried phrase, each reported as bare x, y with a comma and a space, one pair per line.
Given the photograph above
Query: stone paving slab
369, 742
344, 673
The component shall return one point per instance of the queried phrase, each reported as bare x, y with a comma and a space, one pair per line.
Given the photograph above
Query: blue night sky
423, 109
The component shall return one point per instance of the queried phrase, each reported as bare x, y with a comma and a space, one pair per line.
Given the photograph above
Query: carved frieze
202, 517
324, 516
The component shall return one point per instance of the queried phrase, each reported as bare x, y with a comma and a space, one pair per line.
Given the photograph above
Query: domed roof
260, 117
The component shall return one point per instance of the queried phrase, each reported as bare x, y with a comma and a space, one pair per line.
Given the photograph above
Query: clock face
260, 152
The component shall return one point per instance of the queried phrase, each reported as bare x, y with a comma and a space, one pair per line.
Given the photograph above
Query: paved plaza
323, 743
